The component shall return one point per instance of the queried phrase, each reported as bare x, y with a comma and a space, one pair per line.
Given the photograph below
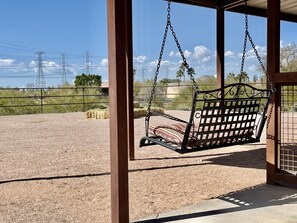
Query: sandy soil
56, 168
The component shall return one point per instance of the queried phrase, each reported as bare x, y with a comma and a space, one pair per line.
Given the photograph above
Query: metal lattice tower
64, 70
143, 74
40, 80
88, 63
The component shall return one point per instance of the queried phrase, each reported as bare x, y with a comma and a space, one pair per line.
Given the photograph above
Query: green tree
288, 58
243, 76
207, 82
87, 80
181, 71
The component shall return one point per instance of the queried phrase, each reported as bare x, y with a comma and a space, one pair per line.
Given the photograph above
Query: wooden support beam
117, 65
285, 78
220, 48
273, 67
129, 59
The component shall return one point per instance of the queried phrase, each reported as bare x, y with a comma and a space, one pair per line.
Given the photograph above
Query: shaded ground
56, 168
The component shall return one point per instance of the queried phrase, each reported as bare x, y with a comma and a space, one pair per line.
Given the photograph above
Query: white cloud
202, 54
229, 54
153, 64
51, 66
6, 62
13, 65
262, 51
253, 68
104, 62
140, 59
188, 54
281, 44
172, 53
48, 66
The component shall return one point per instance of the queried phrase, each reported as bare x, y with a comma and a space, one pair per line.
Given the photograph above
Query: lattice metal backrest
230, 119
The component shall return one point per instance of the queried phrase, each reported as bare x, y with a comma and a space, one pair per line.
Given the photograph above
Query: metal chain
244, 49
247, 35
189, 70
159, 59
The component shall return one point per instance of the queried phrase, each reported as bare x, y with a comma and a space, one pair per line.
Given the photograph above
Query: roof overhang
254, 7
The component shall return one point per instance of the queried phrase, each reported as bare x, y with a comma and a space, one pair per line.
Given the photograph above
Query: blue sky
77, 26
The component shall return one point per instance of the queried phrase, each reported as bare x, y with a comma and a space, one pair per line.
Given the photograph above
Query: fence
51, 100
174, 96
14, 101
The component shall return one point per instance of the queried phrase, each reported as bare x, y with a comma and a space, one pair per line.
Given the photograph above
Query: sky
78, 29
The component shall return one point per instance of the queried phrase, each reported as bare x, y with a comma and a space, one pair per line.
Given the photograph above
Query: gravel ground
56, 168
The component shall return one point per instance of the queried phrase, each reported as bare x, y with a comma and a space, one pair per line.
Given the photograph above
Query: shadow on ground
265, 200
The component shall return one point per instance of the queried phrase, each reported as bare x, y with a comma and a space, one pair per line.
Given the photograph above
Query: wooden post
220, 48
130, 73
221, 55
117, 65
273, 61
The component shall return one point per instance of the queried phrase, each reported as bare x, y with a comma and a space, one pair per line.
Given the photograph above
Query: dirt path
56, 168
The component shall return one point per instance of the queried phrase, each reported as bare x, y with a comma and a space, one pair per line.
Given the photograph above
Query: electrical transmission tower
143, 74
64, 70
88, 63
40, 80
166, 72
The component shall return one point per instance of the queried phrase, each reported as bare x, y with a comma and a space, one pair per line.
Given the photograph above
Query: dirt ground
56, 168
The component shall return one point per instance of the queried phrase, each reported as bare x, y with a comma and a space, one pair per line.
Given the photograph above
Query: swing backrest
237, 117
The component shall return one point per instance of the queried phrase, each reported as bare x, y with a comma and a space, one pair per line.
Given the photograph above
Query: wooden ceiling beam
206, 3
239, 9
263, 13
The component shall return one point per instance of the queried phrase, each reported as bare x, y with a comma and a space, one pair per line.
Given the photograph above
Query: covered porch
280, 149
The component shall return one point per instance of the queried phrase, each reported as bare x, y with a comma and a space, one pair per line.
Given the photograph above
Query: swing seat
172, 133
236, 118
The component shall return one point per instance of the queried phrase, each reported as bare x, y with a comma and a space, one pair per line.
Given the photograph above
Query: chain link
247, 35
159, 59
244, 49
189, 70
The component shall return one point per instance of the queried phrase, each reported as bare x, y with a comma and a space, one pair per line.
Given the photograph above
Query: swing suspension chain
169, 25
248, 36
182, 54
159, 60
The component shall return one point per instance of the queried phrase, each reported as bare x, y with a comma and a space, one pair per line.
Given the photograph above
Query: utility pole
166, 72
64, 70
40, 80
88, 63
143, 74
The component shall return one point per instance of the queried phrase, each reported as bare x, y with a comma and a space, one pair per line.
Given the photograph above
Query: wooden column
117, 69
273, 64
220, 48
129, 59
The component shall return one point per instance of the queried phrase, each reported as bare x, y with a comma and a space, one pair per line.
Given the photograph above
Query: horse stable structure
281, 148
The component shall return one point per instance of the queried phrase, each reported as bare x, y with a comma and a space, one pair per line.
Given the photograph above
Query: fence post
41, 101
83, 90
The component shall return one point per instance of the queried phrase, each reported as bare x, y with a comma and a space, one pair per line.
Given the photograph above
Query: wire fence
14, 101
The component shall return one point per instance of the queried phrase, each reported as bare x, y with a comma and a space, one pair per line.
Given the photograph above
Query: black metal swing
237, 116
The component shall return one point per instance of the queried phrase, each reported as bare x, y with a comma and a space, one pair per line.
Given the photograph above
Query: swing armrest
168, 116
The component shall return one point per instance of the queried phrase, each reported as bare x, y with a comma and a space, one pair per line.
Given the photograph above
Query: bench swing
235, 114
